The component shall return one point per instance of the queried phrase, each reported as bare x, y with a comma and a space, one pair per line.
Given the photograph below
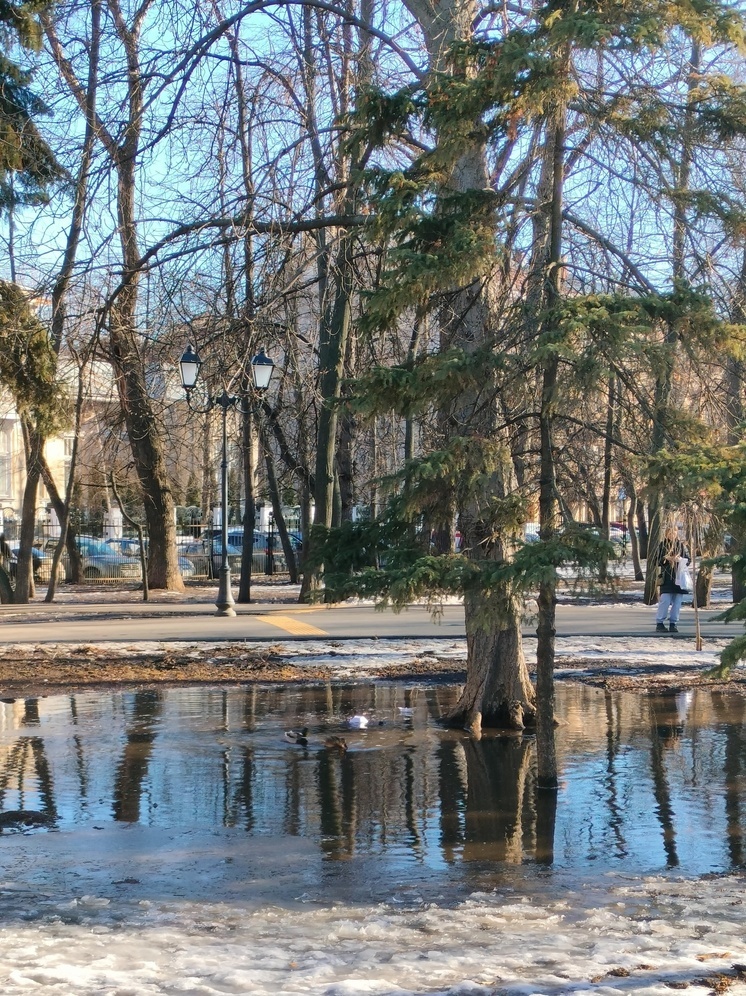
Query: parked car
130, 547
261, 538
42, 562
100, 560
259, 562
198, 553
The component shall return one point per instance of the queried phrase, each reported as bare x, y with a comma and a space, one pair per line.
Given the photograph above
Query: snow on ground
555, 936
358, 660
278, 589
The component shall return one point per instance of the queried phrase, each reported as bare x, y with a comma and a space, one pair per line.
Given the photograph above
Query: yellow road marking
290, 625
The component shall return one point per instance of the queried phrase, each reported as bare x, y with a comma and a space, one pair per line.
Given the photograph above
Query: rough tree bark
33, 443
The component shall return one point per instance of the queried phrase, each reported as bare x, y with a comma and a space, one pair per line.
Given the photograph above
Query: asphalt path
197, 622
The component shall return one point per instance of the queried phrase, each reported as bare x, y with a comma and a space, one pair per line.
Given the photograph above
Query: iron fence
116, 558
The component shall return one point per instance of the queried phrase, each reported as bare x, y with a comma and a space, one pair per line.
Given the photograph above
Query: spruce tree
27, 165
28, 367
446, 227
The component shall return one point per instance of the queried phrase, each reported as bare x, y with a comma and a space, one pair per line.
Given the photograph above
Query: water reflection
648, 782
27, 795
486, 811
734, 765
130, 780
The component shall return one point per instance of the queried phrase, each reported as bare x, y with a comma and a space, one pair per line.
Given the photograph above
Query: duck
357, 722
299, 737
336, 743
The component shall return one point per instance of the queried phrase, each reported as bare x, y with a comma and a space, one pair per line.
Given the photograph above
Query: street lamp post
261, 372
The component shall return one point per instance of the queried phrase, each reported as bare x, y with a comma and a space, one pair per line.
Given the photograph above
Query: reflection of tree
665, 728
249, 709
546, 817
238, 795
27, 772
731, 710
294, 795
30, 712
482, 786
613, 741
453, 792
133, 767
80, 765
410, 796
337, 800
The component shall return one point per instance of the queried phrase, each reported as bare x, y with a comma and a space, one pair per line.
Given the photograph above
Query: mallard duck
299, 737
336, 743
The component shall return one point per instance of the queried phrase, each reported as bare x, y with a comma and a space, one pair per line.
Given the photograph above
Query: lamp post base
224, 602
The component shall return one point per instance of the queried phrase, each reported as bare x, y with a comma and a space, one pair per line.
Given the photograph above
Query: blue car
130, 547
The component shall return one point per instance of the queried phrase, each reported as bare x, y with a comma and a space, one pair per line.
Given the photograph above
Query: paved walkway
124, 617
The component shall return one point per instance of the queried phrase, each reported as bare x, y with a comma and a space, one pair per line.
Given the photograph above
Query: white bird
357, 722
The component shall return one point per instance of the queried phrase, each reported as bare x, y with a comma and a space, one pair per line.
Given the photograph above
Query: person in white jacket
671, 595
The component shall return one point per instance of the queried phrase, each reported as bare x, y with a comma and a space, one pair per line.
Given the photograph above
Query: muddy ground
45, 669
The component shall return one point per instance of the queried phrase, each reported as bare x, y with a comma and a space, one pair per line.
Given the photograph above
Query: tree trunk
208, 484
642, 529
33, 444
127, 362
331, 364
346, 449
409, 425
346, 457
279, 517
734, 416
608, 467
546, 751
498, 692
738, 580
655, 532
664, 377
332, 348
703, 588
147, 449
375, 505
67, 533
249, 509
634, 545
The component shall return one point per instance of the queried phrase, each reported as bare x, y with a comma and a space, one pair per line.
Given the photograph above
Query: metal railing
108, 558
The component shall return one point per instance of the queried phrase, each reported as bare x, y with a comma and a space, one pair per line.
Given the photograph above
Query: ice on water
567, 936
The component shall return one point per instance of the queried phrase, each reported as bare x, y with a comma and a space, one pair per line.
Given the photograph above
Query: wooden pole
695, 600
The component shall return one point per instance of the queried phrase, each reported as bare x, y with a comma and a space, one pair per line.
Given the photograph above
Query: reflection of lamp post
261, 372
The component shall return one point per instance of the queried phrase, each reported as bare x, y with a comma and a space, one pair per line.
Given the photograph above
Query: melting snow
567, 937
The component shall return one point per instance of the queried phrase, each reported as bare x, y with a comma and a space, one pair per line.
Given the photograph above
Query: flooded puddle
174, 841
200, 781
